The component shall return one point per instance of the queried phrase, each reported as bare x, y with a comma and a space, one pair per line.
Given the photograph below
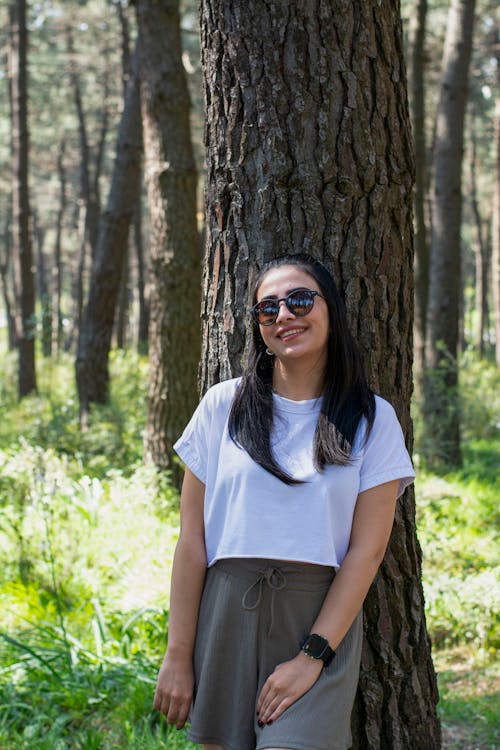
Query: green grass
469, 700
86, 541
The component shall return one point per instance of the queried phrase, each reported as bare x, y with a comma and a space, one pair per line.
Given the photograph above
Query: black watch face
315, 645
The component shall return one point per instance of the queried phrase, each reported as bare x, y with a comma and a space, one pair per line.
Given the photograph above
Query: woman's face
290, 336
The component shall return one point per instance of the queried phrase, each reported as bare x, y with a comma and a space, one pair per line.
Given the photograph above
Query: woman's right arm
174, 690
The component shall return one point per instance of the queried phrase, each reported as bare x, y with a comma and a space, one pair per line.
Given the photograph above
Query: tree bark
421, 263
143, 325
495, 261
480, 253
57, 262
309, 149
88, 201
45, 315
5, 254
175, 253
21, 234
95, 335
441, 414
122, 306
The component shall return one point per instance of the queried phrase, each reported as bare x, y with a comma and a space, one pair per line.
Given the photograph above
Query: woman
292, 475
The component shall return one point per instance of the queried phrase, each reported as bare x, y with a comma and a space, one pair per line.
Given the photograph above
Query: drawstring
276, 582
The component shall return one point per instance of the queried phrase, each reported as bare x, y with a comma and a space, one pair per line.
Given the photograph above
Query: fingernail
270, 721
260, 723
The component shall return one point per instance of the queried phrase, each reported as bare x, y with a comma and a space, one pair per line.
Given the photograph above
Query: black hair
346, 397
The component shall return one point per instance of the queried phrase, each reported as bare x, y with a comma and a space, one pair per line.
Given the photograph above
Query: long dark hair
346, 397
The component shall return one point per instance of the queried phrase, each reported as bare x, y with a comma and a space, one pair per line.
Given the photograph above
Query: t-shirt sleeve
384, 455
192, 446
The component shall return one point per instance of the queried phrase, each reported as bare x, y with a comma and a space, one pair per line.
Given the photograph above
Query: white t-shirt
248, 512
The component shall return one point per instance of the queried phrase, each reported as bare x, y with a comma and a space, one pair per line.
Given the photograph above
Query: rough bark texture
417, 99
441, 414
21, 235
308, 149
175, 254
95, 335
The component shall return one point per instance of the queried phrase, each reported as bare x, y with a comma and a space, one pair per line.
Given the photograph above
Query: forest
154, 154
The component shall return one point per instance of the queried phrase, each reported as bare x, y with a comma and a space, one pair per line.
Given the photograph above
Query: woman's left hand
289, 681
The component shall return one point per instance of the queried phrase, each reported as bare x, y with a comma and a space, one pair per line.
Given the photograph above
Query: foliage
457, 517
86, 541
478, 398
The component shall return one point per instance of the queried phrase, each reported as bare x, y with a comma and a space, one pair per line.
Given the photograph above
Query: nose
283, 311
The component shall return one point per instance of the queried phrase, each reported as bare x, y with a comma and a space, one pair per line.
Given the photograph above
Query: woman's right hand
174, 689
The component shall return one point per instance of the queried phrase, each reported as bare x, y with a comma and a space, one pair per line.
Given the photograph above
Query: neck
297, 381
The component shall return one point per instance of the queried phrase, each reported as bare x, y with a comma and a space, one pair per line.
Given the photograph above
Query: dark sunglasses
299, 302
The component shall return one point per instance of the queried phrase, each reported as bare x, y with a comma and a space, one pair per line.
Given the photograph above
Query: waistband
257, 574
299, 575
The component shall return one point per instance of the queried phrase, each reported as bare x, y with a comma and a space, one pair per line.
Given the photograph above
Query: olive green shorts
253, 615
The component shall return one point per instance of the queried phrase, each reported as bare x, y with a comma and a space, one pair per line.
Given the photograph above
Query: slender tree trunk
124, 294
95, 195
309, 148
143, 326
21, 235
421, 265
5, 254
95, 335
122, 307
42, 287
495, 261
175, 253
441, 411
88, 201
480, 252
57, 262
125, 37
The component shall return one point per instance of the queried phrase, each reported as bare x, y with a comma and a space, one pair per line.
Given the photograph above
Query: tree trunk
122, 307
495, 261
441, 415
5, 254
175, 253
143, 325
21, 235
480, 252
42, 290
421, 263
309, 149
95, 335
57, 262
88, 202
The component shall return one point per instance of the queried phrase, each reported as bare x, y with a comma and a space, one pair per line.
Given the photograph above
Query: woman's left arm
371, 529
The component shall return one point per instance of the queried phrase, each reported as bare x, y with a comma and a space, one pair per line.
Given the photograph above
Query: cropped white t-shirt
248, 512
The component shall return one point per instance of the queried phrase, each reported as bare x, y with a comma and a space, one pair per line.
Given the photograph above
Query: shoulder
385, 423
220, 395
384, 410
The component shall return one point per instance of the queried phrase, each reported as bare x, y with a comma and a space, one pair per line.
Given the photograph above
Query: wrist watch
317, 647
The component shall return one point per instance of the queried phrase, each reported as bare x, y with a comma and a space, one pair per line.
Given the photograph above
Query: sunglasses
299, 302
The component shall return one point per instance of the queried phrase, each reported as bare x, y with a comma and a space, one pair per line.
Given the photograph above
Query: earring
269, 352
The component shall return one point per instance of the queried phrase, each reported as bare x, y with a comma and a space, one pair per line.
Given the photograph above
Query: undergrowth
87, 534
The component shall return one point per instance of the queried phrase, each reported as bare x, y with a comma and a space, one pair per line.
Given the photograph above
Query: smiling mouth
291, 333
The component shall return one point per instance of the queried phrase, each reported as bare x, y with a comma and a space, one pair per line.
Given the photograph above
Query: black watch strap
317, 647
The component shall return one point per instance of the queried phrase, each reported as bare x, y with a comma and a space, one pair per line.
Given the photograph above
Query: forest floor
86, 542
